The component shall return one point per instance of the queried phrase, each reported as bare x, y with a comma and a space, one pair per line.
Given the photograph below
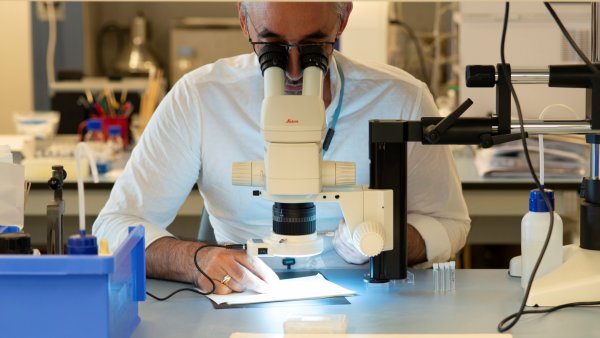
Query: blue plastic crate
74, 296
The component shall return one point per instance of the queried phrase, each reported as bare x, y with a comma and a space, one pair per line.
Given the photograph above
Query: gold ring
226, 279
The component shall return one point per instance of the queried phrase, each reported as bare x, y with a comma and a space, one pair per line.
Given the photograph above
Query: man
211, 118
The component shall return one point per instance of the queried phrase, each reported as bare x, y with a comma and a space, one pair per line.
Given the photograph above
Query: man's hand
169, 258
342, 243
244, 271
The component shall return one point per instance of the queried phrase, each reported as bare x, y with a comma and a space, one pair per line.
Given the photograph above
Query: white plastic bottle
115, 144
534, 229
95, 140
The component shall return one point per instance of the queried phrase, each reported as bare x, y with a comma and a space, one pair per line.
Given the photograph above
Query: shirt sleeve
436, 207
160, 174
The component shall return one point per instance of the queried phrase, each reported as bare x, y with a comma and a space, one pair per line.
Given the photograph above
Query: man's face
292, 23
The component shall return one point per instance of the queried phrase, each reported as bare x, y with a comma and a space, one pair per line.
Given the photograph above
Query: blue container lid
94, 124
536, 200
114, 130
82, 245
4, 229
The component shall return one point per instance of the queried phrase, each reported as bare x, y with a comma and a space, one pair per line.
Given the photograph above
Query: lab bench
482, 298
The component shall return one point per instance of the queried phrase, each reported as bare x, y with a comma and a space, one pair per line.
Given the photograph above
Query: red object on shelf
107, 122
122, 121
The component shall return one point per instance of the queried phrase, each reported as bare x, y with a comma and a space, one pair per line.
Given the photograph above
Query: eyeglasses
327, 46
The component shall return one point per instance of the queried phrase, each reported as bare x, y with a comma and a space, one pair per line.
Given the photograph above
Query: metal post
595, 150
589, 226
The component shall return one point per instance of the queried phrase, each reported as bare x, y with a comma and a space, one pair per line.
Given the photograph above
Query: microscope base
576, 280
286, 246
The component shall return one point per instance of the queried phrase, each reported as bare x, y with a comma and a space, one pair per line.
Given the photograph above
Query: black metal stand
388, 154
388, 171
55, 211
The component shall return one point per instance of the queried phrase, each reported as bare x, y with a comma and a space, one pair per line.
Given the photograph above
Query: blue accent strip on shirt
336, 114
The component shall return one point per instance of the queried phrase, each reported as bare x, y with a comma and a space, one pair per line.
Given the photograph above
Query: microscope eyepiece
273, 56
313, 56
294, 218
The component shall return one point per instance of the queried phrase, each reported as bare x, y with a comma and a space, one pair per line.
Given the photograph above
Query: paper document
287, 289
562, 159
368, 335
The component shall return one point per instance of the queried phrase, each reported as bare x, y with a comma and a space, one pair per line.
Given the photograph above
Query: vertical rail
594, 53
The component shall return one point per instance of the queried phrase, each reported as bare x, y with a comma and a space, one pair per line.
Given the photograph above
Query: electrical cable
418, 46
572, 42
212, 282
514, 318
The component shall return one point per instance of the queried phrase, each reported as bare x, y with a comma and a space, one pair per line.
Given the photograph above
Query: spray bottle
82, 243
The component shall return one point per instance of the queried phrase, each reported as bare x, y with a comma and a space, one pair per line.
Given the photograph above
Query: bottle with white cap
534, 229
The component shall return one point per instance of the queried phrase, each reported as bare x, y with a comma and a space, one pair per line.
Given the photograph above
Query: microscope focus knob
368, 238
345, 173
248, 173
241, 173
338, 173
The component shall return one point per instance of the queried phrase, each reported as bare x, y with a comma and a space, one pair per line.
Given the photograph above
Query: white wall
365, 38
16, 85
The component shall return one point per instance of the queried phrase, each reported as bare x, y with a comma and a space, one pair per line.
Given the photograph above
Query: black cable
212, 282
418, 46
516, 316
548, 310
572, 42
175, 292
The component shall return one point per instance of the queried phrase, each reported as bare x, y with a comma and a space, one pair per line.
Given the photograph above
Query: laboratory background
96, 71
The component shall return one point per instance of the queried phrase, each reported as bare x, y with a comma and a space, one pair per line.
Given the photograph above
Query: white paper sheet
367, 335
12, 194
287, 289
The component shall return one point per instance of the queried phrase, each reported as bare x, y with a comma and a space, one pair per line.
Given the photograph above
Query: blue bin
74, 296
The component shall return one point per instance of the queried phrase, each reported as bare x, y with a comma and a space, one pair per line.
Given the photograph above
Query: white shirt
210, 119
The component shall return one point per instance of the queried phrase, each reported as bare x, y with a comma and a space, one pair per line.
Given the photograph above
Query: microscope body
294, 175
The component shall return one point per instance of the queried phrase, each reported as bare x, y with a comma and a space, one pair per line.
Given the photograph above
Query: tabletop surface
481, 299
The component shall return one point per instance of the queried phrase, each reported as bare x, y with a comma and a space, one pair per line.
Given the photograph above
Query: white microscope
294, 175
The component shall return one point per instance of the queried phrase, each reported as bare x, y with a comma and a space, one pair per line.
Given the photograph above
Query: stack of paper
562, 159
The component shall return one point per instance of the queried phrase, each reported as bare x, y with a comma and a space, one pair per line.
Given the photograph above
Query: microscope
293, 174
